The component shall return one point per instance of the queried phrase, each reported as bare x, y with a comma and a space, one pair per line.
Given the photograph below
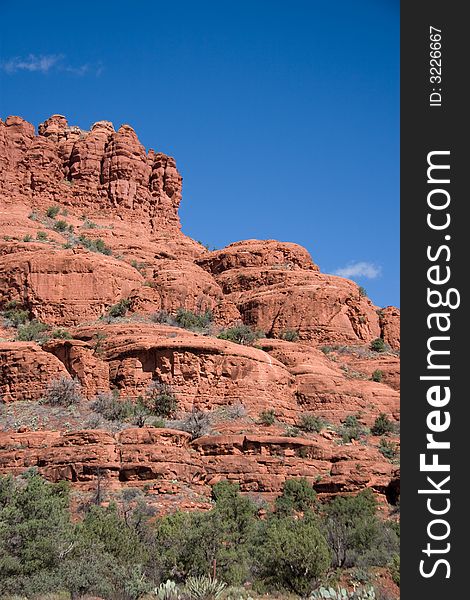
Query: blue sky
283, 117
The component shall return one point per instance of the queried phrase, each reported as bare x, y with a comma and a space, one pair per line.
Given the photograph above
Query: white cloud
359, 269
43, 63
32, 63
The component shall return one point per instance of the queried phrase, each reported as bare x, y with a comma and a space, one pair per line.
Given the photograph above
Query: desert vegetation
123, 552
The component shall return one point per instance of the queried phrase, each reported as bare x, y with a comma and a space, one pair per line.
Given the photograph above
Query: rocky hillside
99, 284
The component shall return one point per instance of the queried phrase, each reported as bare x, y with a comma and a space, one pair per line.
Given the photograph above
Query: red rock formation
259, 464
281, 288
117, 237
26, 370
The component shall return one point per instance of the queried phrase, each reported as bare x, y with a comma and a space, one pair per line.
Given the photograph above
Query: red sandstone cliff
111, 191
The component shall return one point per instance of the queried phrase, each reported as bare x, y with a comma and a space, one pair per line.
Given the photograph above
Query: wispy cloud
32, 63
360, 269
45, 63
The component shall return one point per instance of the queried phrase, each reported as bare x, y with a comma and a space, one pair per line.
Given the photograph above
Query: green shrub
362, 291
41, 236
27, 238
100, 246
388, 449
294, 554
355, 534
395, 569
352, 429
120, 309
61, 334
160, 399
382, 425
289, 335
33, 331
17, 316
35, 527
311, 423
60, 226
378, 345
89, 224
111, 407
139, 412
63, 392
377, 375
52, 211
240, 334
193, 321
267, 417
95, 245
297, 496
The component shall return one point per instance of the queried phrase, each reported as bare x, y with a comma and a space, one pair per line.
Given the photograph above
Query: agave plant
204, 588
362, 593
167, 591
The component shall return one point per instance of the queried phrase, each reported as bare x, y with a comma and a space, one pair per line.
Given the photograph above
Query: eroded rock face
390, 325
26, 370
331, 392
65, 287
164, 457
96, 171
117, 237
204, 372
276, 287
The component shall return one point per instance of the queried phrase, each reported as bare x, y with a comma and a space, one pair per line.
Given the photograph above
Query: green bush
160, 399
111, 407
33, 331
289, 335
61, 334
89, 224
382, 425
352, 429
311, 423
377, 376
297, 496
267, 417
120, 309
16, 315
378, 345
395, 569
193, 321
27, 238
41, 236
60, 226
356, 535
240, 334
35, 528
388, 449
125, 553
362, 291
63, 392
95, 245
52, 211
294, 554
